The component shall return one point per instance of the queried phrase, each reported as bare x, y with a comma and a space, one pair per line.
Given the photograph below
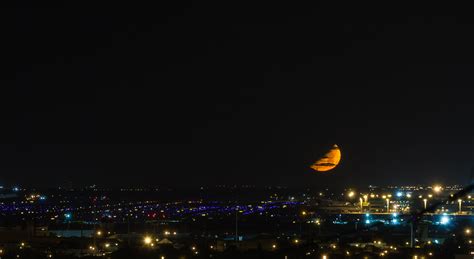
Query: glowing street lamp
444, 221
437, 188
147, 240
351, 194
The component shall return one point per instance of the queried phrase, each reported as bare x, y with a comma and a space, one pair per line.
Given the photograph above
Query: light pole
318, 223
236, 226
425, 202
303, 214
460, 205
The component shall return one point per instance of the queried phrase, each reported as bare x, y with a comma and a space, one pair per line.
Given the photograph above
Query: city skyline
229, 130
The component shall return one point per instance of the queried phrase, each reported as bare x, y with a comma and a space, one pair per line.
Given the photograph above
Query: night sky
207, 93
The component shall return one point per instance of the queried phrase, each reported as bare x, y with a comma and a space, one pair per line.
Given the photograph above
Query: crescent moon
329, 161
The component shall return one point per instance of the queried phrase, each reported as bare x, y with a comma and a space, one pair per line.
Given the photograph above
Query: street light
351, 194
147, 240
460, 204
467, 231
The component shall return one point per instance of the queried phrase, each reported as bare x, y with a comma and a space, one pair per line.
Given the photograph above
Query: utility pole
236, 225
128, 230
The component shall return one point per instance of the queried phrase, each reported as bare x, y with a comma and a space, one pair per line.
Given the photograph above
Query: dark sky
208, 93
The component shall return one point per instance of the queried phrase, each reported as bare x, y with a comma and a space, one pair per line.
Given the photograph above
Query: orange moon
329, 161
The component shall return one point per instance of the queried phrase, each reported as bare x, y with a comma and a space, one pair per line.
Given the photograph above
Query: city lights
198, 130
380, 211
351, 194
147, 240
444, 220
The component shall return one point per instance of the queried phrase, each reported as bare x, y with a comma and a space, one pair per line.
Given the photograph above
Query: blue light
68, 215
15, 189
42, 198
436, 241
394, 215
394, 221
399, 194
367, 214
367, 222
444, 220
